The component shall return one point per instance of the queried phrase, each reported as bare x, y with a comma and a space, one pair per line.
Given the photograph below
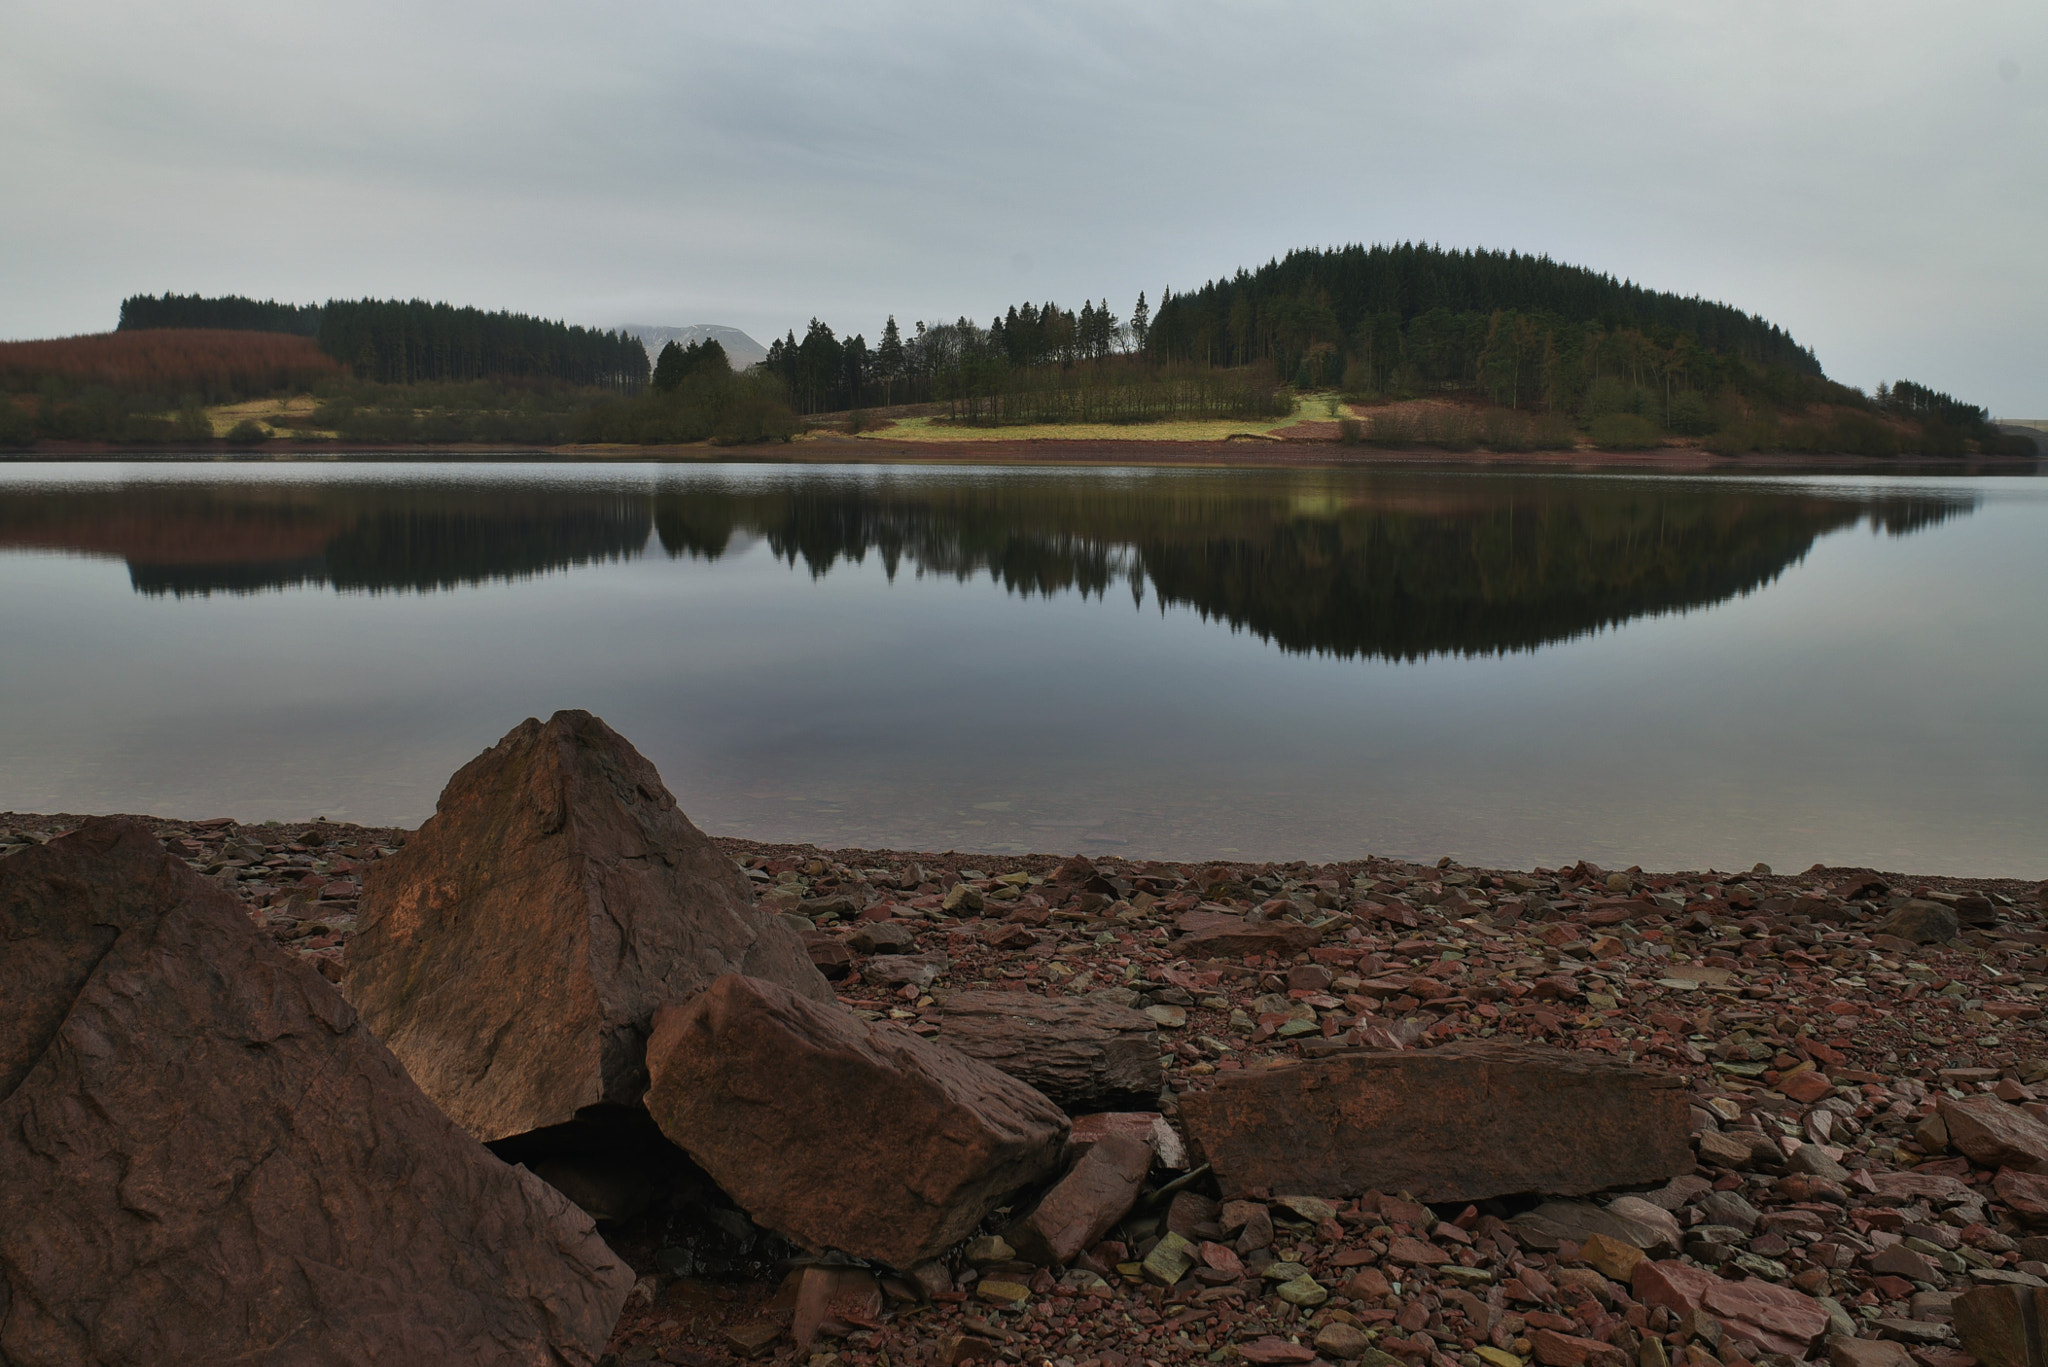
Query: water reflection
1391, 565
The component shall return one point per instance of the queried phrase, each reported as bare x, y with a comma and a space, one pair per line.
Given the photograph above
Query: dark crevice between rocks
657, 1209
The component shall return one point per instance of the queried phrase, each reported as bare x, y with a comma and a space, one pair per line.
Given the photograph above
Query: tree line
231, 312
411, 341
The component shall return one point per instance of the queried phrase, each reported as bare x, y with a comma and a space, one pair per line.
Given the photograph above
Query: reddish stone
1774, 1318
1215, 935
1847, 1352
1462, 1122
1807, 1087
1272, 1350
1082, 1206
834, 1301
1222, 1259
1085, 1055
1994, 1134
206, 1157
2003, 1326
828, 954
2025, 1193
1366, 1284
1416, 1252
1148, 1126
1896, 1260
513, 953
839, 1132
1554, 1349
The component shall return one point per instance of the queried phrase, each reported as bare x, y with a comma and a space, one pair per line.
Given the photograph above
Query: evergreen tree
669, 368
889, 358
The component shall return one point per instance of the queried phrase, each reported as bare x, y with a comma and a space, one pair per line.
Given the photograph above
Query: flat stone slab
1085, 1055
1461, 1123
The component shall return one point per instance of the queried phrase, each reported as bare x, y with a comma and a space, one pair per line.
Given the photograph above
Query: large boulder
1459, 1123
513, 953
205, 1157
1085, 1055
842, 1133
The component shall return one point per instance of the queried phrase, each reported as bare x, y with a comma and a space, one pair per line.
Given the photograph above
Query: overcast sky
1873, 176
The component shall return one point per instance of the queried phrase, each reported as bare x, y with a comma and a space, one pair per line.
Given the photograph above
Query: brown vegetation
172, 360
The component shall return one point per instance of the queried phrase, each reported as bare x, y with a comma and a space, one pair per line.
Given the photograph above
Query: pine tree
1141, 323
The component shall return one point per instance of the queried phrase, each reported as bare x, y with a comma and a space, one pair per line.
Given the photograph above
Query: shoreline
1247, 453
2023, 891
1822, 1023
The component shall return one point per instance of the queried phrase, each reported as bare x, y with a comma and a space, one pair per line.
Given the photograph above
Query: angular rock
206, 1157
906, 970
1995, 1134
1462, 1122
1896, 1260
1082, 1206
1553, 1349
1728, 1208
834, 1301
882, 937
512, 954
1217, 935
1086, 1055
1848, 1352
1613, 1258
1774, 1318
828, 954
843, 1133
1731, 1148
2025, 1194
2003, 1326
1343, 1341
1806, 1087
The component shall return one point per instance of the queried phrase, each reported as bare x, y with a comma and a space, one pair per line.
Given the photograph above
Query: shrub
1501, 430
1350, 431
17, 428
1622, 432
1690, 416
1449, 429
1611, 394
247, 432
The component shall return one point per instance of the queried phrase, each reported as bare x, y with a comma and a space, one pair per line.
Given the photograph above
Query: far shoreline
1251, 453
2024, 891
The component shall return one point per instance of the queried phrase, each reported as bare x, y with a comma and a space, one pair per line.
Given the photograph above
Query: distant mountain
740, 349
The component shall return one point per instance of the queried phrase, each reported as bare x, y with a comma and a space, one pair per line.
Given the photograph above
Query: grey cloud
1870, 175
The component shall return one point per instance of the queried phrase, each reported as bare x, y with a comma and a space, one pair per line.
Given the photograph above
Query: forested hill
410, 341
1344, 296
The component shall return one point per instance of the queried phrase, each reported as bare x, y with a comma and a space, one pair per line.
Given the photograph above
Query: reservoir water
1508, 668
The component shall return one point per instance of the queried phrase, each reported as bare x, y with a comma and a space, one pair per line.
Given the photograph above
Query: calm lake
1511, 669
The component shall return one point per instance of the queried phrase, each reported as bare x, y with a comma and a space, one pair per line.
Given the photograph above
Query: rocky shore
1272, 1113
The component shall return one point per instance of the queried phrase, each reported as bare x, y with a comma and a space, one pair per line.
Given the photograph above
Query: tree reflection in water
1397, 565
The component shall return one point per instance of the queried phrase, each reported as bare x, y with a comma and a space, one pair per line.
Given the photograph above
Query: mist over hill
740, 349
